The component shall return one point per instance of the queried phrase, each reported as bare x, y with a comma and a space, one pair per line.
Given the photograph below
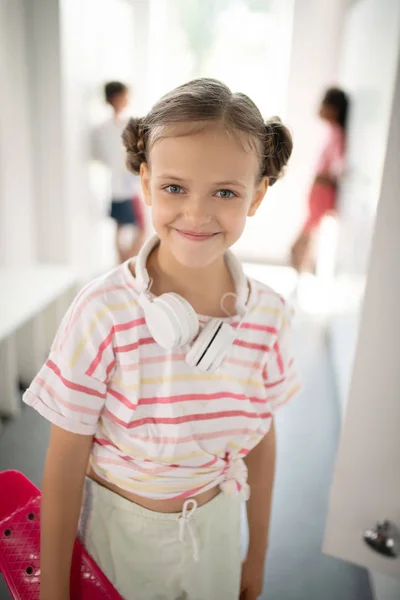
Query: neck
203, 288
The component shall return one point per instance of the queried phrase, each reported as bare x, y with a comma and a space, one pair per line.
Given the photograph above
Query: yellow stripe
293, 391
186, 377
267, 309
124, 484
108, 308
234, 446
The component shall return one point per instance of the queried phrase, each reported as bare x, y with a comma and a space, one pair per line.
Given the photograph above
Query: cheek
233, 217
163, 210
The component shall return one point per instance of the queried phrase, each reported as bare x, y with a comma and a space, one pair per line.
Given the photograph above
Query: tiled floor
307, 432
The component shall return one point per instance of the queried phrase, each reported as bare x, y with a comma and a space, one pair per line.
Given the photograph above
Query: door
366, 483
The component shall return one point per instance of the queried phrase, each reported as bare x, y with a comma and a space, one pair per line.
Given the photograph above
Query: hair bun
278, 148
134, 142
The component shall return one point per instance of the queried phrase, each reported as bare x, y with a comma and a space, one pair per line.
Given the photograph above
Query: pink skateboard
19, 546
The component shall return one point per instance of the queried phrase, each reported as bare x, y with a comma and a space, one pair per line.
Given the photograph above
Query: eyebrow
231, 182
216, 183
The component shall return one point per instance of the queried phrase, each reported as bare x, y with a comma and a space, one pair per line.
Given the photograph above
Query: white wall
17, 215
370, 57
369, 65
50, 202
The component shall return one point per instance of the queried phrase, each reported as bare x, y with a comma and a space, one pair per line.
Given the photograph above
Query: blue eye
173, 189
226, 194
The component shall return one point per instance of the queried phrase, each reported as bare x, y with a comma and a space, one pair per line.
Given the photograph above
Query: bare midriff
172, 505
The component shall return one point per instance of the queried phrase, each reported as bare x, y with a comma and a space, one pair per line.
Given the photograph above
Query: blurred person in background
126, 204
323, 194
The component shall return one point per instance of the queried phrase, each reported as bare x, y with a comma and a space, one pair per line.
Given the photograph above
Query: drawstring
185, 521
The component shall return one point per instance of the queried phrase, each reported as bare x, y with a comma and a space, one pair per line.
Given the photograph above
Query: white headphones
173, 322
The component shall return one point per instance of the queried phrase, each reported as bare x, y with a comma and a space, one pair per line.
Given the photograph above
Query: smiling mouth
196, 236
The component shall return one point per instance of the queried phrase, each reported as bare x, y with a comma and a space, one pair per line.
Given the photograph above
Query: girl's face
201, 187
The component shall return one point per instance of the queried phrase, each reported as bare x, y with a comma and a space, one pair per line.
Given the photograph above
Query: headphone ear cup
187, 317
171, 320
210, 348
162, 323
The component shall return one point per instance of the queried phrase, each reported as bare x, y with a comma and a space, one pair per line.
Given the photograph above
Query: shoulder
263, 296
268, 307
106, 301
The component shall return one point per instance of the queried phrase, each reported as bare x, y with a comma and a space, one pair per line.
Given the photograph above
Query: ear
259, 194
145, 181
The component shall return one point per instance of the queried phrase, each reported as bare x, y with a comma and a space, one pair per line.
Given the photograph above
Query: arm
261, 470
261, 466
65, 469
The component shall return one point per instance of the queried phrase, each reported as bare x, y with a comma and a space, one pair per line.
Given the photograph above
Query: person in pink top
166, 373
323, 194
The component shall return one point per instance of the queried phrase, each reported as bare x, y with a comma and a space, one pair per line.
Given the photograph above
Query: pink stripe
190, 493
130, 324
243, 363
130, 459
213, 435
196, 397
106, 342
73, 386
79, 309
255, 327
188, 418
208, 464
103, 442
279, 358
269, 385
251, 346
72, 407
110, 368
265, 372
115, 328
266, 292
181, 358
123, 399
135, 345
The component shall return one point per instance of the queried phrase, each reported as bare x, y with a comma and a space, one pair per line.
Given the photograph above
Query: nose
197, 210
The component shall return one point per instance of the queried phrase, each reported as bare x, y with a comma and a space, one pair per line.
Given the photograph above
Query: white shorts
194, 555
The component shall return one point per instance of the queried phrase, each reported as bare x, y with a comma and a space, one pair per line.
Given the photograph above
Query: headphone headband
233, 264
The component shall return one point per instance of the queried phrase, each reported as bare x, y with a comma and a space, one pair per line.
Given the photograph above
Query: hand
252, 582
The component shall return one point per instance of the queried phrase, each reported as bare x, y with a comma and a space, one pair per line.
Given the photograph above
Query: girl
323, 194
164, 375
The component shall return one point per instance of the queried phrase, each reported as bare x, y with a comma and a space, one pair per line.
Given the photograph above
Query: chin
196, 259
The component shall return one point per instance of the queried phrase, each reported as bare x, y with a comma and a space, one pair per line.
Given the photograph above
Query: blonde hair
204, 101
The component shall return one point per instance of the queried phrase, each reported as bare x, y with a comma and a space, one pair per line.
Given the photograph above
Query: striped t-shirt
163, 429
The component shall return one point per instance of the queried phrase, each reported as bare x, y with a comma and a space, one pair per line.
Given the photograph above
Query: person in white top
107, 148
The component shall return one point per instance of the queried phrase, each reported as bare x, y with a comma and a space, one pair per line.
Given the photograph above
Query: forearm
261, 471
60, 508
61, 502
